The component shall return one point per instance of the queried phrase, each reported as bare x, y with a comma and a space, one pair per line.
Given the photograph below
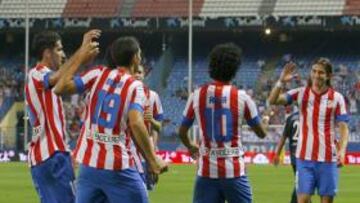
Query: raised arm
276, 97
88, 50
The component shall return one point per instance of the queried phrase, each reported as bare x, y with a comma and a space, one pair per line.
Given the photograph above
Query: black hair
225, 60
44, 40
108, 59
122, 52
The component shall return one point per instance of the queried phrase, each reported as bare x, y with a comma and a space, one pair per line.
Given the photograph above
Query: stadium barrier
183, 157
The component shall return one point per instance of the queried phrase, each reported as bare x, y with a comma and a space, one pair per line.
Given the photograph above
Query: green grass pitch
269, 184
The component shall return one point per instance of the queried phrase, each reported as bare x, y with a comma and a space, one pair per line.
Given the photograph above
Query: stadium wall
8, 124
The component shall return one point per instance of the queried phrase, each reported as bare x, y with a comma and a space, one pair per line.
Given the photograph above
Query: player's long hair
324, 62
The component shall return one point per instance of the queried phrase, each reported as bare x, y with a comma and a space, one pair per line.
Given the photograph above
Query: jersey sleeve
341, 114
250, 112
292, 96
86, 80
42, 79
189, 112
158, 112
138, 98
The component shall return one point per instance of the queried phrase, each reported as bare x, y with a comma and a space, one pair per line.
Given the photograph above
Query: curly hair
225, 60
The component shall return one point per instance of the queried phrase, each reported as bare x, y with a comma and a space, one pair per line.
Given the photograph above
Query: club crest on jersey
330, 103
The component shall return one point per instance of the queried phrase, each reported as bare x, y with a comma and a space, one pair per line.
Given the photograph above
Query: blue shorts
311, 175
54, 179
98, 185
233, 190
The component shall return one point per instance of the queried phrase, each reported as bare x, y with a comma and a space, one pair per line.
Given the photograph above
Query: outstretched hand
288, 72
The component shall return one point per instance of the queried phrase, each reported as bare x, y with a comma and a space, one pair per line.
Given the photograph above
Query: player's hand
288, 72
148, 116
194, 151
276, 160
90, 36
340, 159
265, 120
74, 163
89, 48
158, 167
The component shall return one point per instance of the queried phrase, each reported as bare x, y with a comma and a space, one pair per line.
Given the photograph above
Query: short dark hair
44, 40
326, 64
108, 58
225, 60
122, 51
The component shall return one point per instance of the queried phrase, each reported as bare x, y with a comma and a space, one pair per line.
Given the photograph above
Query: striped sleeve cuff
342, 118
47, 80
289, 99
159, 117
187, 122
137, 107
79, 84
254, 121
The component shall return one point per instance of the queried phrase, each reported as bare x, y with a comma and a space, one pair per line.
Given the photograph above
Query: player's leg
63, 173
208, 190
293, 195
41, 175
237, 190
326, 199
125, 186
54, 179
305, 180
89, 186
328, 176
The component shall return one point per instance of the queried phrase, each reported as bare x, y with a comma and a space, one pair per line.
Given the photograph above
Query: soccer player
115, 105
220, 108
291, 132
320, 109
153, 116
49, 156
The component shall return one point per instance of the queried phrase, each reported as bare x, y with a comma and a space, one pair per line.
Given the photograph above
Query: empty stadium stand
37, 8
165, 8
177, 8
352, 7
92, 8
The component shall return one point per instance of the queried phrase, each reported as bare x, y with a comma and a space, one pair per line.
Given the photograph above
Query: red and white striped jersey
219, 109
104, 142
318, 116
152, 104
47, 116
